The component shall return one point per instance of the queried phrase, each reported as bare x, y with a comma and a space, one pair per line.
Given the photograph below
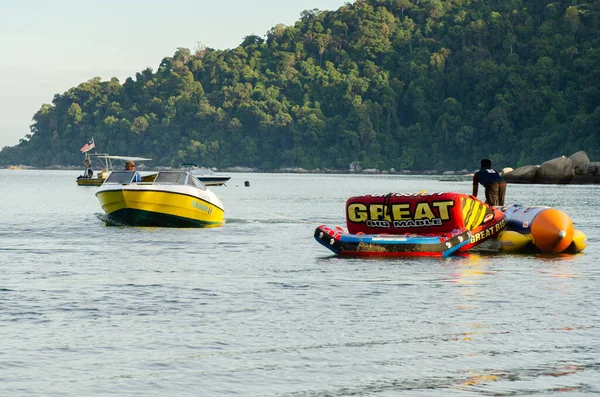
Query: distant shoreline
463, 173
445, 176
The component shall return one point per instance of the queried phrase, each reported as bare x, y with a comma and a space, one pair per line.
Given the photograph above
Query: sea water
259, 308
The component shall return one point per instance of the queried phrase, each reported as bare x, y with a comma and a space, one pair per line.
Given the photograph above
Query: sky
49, 46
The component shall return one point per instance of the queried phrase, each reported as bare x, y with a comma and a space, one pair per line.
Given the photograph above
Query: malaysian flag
88, 146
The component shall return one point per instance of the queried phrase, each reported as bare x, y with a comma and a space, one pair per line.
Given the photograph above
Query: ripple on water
258, 308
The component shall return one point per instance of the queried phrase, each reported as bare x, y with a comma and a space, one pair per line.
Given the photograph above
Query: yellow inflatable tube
543, 228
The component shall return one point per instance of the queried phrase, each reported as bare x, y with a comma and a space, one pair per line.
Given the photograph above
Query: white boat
171, 199
207, 176
105, 163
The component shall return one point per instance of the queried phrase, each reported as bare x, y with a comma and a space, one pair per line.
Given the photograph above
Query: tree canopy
421, 84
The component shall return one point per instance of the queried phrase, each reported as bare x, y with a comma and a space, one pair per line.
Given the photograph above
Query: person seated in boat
87, 174
492, 181
130, 166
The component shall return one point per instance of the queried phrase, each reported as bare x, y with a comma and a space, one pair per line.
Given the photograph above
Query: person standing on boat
494, 184
130, 166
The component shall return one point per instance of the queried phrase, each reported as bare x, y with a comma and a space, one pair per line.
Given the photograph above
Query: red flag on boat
88, 146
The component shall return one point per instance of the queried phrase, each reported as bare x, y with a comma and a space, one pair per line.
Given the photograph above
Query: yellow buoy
579, 242
511, 241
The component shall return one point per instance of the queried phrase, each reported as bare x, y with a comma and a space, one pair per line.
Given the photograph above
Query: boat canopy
123, 158
106, 160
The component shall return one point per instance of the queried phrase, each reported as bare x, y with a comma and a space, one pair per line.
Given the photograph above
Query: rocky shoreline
576, 169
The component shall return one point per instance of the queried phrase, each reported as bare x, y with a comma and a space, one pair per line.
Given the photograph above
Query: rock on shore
575, 169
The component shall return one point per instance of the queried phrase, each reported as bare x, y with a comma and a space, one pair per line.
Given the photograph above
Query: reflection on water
483, 382
469, 273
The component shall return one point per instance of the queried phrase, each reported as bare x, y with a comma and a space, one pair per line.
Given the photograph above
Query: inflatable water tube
398, 224
542, 229
345, 244
424, 213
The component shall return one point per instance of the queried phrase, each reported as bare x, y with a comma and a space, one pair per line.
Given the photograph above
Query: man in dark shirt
495, 186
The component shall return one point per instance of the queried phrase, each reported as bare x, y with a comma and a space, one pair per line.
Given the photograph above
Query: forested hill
421, 84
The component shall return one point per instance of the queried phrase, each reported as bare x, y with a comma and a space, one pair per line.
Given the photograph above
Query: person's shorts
494, 194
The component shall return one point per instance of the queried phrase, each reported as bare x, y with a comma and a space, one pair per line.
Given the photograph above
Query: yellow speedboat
172, 199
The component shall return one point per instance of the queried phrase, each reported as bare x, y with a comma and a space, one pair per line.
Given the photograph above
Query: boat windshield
120, 177
170, 178
193, 181
178, 178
